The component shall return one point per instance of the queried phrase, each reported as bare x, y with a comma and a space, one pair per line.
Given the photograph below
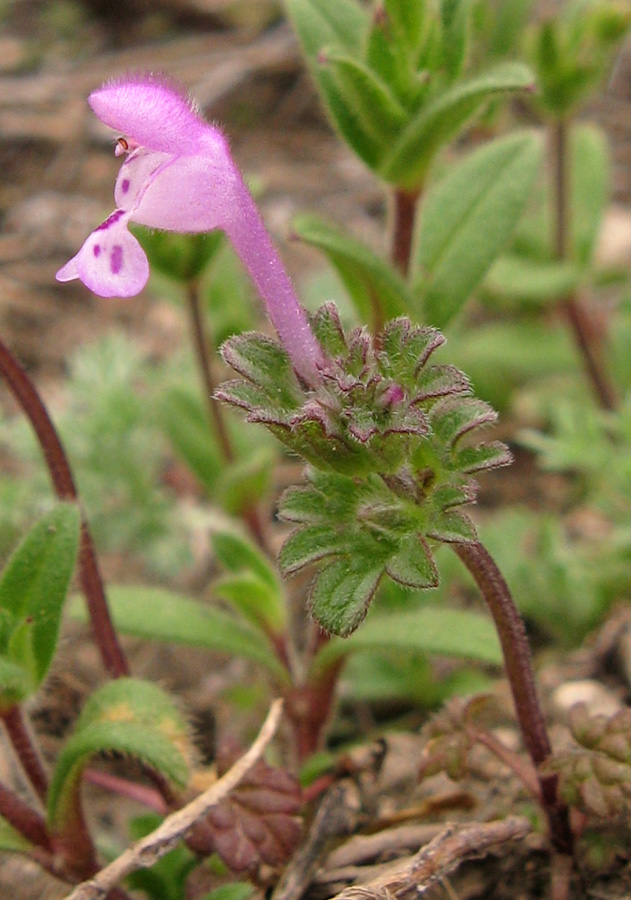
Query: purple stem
588, 340
404, 204
20, 737
24, 392
258, 254
24, 819
518, 663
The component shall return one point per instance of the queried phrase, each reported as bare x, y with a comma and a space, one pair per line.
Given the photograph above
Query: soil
241, 62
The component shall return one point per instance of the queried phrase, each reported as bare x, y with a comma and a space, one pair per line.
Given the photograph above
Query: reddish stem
20, 737
519, 669
404, 217
24, 819
308, 708
141, 793
91, 582
523, 770
586, 335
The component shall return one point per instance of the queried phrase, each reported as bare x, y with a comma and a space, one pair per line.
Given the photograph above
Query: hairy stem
91, 582
22, 742
404, 205
586, 336
521, 677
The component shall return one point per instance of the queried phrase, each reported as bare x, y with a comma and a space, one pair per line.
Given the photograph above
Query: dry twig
150, 849
439, 858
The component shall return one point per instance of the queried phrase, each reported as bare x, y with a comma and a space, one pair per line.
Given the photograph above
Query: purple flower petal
152, 111
134, 174
111, 262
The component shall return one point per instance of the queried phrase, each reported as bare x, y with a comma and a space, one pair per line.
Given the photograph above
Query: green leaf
319, 23
377, 291
33, 589
406, 19
235, 890
182, 257
255, 600
11, 841
340, 27
589, 185
127, 716
413, 565
375, 106
467, 221
446, 632
455, 21
438, 122
185, 422
238, 554
253, 588
341, 594
162, 615
531, 281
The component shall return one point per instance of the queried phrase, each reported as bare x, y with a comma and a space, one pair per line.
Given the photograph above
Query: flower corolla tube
178, 175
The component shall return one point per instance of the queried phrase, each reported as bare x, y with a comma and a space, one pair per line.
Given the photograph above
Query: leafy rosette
390, 435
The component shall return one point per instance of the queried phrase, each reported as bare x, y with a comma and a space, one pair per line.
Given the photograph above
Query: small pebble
598, 699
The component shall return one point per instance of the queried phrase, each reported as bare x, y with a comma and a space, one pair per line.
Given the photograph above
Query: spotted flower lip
178, 175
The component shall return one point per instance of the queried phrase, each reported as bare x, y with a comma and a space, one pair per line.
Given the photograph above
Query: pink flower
178, 175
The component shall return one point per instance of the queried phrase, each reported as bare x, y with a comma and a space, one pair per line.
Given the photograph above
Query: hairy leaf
161, 615
33, 589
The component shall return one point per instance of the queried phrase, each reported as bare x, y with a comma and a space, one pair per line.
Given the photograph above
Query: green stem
91, 582
521, 677
20, 737
202, 347
586, 336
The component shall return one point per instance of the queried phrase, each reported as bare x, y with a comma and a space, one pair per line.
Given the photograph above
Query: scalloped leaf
467, 220
33, 588
258, 822
161, 615
341, 593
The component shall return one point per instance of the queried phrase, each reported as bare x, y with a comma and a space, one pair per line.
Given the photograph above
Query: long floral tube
178, 175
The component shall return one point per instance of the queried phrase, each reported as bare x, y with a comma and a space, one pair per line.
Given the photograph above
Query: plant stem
308, 707
586, 336
521, 677
91, 582
20, 737
201, 345
24, 819
404, 204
